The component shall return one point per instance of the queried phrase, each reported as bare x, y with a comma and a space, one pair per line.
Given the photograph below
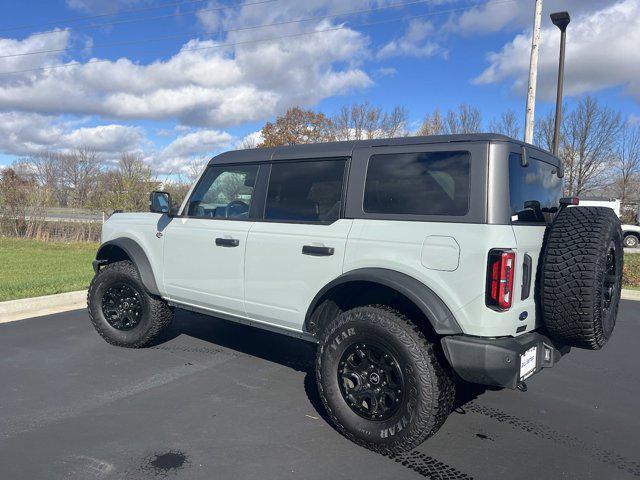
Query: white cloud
104, 6
499, 15
251, 140
200, 85
413, 43
197, 143
194, 146
30, 133
598, 56
105, 138
51, 40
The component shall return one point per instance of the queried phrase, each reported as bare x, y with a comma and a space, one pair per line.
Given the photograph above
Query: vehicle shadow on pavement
273, 347
300, 356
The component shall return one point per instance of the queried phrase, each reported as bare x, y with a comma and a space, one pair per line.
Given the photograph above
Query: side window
427, 183
309, 191
224, 192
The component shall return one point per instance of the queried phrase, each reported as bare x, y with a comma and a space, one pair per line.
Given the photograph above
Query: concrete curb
630, 295
38, 306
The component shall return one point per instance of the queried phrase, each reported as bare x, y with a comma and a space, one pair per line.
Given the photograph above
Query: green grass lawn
631, 277
29, 268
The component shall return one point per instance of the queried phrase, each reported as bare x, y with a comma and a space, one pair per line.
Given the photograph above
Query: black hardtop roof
345, 148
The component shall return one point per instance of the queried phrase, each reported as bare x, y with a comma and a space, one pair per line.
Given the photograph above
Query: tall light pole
533, 74
560, 20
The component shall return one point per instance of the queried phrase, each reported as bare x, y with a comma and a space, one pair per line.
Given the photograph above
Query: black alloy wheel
371, 381
122, 306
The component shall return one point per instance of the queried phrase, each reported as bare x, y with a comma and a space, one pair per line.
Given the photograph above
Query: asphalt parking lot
217, 400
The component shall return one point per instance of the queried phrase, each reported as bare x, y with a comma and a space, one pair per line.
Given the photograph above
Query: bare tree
506, 124
127, 186
80, 173
362, 121
432, 124
543, 134
394, 123
467, 119
47, 168
588, 139
195, 167
628, 163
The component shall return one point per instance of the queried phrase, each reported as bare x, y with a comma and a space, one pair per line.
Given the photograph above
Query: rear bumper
496, 361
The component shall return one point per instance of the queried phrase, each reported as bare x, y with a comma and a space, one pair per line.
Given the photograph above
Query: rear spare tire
581, 276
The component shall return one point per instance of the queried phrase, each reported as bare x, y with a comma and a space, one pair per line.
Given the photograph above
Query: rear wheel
121, 309
582, 276
631, 241
381, 381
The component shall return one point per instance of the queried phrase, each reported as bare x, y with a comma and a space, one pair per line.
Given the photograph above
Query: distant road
70, 215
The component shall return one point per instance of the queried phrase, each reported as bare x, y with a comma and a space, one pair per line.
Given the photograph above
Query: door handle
227, 242
317, 251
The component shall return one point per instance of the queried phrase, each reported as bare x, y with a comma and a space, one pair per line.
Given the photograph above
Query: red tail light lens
500, 270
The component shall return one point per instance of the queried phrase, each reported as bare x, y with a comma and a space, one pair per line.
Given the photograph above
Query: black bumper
496, 361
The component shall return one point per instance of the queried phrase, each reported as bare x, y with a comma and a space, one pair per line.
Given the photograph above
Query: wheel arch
127, 249
326, 302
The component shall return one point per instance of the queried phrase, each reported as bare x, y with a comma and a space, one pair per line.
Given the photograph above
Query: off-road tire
429, 386
156, 314
574, 276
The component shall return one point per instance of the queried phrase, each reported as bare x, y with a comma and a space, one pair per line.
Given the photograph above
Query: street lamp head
561, 20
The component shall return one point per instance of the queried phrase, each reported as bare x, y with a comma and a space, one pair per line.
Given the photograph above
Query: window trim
185, 213
343, 190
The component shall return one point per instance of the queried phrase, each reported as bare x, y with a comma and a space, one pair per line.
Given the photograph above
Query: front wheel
380, 380
121, 309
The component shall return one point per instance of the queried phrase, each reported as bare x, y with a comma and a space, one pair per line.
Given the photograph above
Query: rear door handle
227, 242
317, 251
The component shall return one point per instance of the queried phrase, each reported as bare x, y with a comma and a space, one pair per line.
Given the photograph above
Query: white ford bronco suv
415, 263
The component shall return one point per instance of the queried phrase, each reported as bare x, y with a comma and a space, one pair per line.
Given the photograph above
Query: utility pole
560, 20
533, 74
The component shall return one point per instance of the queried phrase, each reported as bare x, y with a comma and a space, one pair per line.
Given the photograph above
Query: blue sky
147, 76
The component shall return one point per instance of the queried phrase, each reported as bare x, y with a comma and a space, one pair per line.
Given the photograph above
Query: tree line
600, 152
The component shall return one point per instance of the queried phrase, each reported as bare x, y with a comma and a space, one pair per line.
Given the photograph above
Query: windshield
534, 190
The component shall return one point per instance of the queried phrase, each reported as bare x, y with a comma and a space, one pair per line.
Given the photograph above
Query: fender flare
137, 255
430, 304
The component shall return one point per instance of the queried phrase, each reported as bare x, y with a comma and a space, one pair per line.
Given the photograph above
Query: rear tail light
500, 270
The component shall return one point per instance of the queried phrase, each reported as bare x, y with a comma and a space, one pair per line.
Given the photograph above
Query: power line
190, 37
158, 17
264, 40
101, 15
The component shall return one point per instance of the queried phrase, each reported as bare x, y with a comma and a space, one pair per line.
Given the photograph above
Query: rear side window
534, 190
306, 191
426, 183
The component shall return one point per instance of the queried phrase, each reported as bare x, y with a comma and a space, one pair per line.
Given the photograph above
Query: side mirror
160, 202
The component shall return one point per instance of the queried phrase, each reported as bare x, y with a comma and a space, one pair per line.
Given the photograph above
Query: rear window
534, 191
425, 183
